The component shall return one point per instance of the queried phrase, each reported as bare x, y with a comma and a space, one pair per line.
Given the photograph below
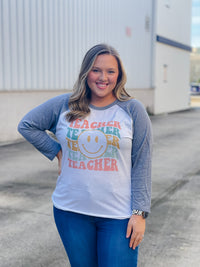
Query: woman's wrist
59, 154
144, 214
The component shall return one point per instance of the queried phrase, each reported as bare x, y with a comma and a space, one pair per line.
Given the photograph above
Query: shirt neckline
105, 107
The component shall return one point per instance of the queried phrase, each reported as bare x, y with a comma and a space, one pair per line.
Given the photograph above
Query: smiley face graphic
92, 144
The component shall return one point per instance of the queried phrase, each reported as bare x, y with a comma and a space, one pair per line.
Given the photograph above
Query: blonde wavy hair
80, 99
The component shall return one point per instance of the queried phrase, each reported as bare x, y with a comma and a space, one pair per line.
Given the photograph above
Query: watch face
145, 215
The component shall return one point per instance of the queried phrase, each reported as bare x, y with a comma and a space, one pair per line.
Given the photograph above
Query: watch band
144, 214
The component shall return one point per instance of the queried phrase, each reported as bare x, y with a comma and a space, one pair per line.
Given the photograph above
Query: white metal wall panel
174, 20
136, 49
43, 41
172, 83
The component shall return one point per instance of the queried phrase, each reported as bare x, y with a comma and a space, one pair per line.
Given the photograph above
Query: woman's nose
103, 76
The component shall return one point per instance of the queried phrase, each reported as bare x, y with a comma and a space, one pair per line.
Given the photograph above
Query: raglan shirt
106, 163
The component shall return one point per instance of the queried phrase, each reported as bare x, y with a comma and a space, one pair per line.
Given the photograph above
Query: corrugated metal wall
43, 41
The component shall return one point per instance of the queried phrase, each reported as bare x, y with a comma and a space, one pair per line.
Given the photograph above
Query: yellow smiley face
92, 144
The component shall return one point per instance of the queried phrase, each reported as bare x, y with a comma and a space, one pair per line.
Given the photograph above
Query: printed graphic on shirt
93, 146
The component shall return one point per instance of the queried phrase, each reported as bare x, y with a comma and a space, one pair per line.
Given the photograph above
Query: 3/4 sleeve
35, 124
141, 158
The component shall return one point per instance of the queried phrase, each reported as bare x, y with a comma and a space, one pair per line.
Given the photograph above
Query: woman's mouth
102, 85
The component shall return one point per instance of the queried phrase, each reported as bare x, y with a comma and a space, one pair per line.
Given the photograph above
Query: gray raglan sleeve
141, 158
35, 124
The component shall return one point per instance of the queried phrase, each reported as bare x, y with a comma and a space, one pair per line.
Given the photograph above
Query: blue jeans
93, 241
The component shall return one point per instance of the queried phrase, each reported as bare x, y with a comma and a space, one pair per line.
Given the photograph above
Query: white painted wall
172, 68
174, 20
171, 78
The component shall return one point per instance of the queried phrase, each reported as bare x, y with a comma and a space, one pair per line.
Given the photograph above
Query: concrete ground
28, 236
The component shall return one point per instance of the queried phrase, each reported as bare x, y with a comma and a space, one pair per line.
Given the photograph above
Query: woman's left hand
135, 230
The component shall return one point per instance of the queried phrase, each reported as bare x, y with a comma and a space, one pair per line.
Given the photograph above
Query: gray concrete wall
14, 105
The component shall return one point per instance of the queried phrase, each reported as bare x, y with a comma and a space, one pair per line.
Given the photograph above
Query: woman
102, 195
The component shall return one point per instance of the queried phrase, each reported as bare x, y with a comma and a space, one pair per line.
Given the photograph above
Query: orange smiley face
92, 144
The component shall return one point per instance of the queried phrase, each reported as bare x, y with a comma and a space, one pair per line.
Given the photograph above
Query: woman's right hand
59, 157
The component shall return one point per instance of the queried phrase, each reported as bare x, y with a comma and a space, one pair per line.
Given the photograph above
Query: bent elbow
22, 127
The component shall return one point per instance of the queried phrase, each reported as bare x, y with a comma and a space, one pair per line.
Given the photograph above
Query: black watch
144, 214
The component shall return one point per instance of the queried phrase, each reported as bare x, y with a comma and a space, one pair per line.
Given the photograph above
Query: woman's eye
94, 70
111, 71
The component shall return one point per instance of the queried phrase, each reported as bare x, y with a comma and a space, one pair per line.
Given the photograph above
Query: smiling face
102, 80
92, 144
